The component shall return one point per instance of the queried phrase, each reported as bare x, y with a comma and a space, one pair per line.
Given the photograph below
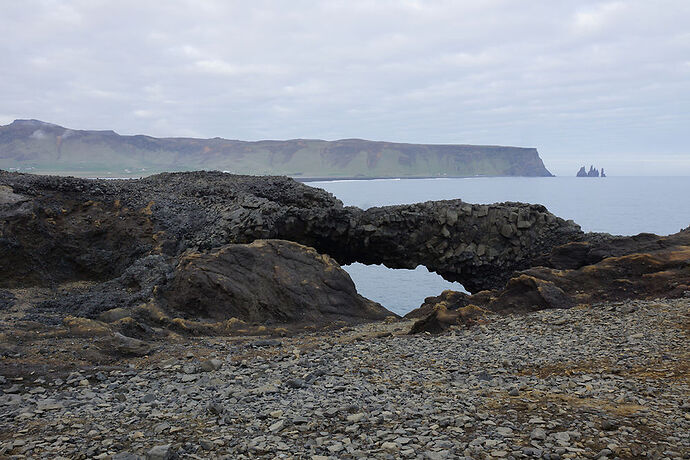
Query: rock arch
58, 228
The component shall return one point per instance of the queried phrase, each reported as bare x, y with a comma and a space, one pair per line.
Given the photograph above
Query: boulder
525, 293
122, 345
267, 281
442, 318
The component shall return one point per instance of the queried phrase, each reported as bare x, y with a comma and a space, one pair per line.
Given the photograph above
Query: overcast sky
585, 82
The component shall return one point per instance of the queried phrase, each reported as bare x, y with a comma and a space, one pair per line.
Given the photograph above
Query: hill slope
36, 146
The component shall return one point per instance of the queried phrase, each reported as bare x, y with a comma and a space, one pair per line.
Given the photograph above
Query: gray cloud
583, 81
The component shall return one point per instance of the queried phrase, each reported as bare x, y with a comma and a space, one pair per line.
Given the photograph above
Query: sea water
616, 205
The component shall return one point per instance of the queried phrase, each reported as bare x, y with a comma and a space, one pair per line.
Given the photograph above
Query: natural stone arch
66, 228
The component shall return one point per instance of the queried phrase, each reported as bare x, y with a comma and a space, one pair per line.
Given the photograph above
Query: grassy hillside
35, 146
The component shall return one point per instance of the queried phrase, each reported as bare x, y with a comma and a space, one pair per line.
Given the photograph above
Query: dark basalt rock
135, 286
267, 281
7, 299
593, 172
58, 229
603, 269
441, 318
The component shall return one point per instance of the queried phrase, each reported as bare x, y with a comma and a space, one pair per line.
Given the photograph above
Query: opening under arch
399, 290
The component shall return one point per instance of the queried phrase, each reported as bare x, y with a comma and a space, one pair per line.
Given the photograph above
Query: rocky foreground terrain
205, 315
604, 381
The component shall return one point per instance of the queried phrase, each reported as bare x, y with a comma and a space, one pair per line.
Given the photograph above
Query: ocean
616, 205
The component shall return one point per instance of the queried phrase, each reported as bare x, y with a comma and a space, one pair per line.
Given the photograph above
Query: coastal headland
205, 315
39, 147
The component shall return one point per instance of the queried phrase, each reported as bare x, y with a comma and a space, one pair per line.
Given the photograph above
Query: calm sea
617, 205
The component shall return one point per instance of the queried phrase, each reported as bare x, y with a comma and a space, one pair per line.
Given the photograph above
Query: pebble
161, 452
211, 365
539, 434
550, 384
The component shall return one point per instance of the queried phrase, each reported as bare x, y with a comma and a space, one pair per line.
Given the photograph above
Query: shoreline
355, 178
96, 176
144, 346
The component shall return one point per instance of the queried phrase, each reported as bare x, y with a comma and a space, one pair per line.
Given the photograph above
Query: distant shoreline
95, 175
332, 179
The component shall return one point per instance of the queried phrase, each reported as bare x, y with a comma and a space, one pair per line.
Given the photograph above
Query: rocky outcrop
58, 229
6, 299
593, 172
609, 268
111, 300
267, 281
441, 318
186, 250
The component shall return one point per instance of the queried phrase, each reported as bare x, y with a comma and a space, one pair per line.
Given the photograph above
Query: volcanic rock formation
602, 269
267, 281
58, 229
187, 250
593, 172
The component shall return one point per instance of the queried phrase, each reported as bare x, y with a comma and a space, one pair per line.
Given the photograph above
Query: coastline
97, 175
145, 355
359, 178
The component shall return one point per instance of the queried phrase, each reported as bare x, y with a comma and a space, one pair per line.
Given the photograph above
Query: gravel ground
605, 381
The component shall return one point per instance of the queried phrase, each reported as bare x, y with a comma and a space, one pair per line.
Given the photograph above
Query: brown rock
85, 327
119, 344
267, 281
115, 314
525, 292
442, 318
660, 268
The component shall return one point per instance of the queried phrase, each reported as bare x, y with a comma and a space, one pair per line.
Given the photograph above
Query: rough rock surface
134, 287
6, 299
267, 281
59, 229
607, 381
644, 266
441, 319
593, 172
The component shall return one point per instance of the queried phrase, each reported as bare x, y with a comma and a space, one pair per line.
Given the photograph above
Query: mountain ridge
41, 147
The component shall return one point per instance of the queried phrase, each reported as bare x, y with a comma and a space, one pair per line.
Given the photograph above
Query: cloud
596, 18
571, 78
143, 113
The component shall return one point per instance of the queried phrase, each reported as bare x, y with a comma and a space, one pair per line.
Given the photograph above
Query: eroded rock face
64, 229
267, 281
117, 297
644, 266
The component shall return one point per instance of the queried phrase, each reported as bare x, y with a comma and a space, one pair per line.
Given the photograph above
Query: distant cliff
39, 147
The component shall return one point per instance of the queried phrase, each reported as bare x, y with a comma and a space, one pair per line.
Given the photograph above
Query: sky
586, 82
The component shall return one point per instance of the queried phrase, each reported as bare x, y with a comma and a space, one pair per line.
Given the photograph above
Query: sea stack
593, 172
